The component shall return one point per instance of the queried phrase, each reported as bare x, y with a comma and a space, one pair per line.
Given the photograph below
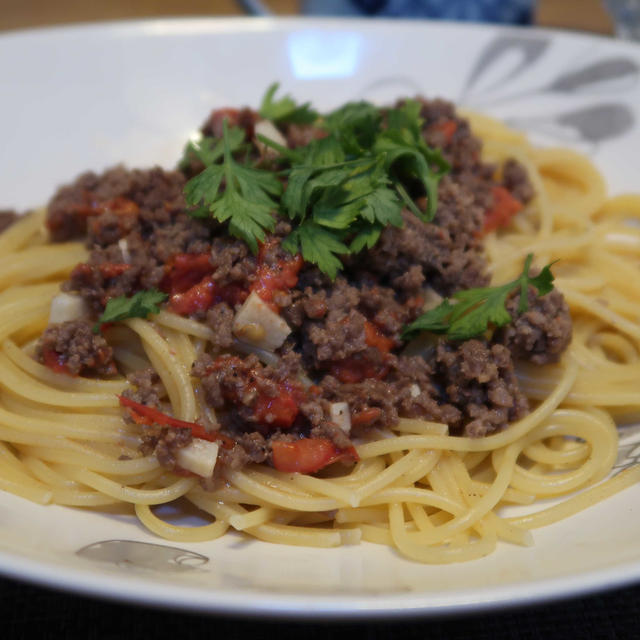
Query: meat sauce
345, 343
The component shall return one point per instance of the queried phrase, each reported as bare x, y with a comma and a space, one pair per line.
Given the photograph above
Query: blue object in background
502, 11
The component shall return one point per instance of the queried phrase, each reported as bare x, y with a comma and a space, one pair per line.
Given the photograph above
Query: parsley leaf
345, 199
366, 238
408, 158
343, 188
139, 305
285, 109
246, 200
209, 150
476, 308
317, 245
355, 125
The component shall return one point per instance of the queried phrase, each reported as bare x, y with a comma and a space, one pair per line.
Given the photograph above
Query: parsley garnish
342, 189
285, 109
139, 305
209, 150
353, 183
246, 200
476, 308
317, 245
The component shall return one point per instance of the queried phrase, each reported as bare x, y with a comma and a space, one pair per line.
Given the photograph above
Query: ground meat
362, 396
345, 335
232, 262
164, 442
408, 390
236, 381
180, 234
7, 218
449, 256
220, 319
118, 190
333, 321
139, 261
540, 334
445, 254
516, 179
332, 432
146, 388
234, 384
73, 346
459, 147
479, 380
249, 447
339, 337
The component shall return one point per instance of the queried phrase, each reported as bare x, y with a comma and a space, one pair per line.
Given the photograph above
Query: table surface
587, 15
52, 614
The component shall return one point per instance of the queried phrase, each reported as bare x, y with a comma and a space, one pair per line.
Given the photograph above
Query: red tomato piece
184, 270
120, 206
55, 361
200, 297
280, 411
308, 455
273, 278
143, 414
366, 416
375, 338
446, 127
356, 369
217, 118
113, 269
204, 295
505, 206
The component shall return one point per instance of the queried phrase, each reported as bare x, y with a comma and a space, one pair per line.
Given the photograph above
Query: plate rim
134, 590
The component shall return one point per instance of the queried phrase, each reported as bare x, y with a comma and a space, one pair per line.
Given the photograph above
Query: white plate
92, 96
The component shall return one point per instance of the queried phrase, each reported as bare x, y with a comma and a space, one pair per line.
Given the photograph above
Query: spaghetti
435, 497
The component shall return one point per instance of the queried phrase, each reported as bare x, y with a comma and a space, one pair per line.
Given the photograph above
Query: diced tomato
198, 298
232, 294
446, 127
505, 206
308, 455
375, 338
143, 414
366, 416
184, 270
273, 278
55, 361
216, 119
204, 295
120, 205
357, 368
270, 411
113, 269
280, 411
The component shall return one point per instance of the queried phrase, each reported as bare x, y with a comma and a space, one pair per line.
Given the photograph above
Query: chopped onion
66, 307
340, 415
257, 324
267, 129
124, 248
199, 457
431, 299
